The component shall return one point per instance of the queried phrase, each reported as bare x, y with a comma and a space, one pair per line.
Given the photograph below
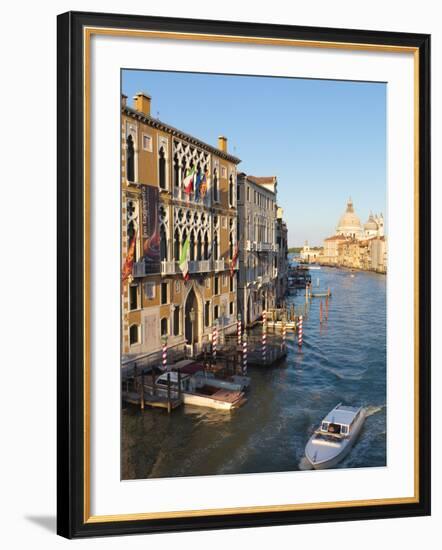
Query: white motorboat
334, 438
195, 390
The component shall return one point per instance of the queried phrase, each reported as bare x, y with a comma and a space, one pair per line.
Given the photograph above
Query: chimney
222, 144
142, 103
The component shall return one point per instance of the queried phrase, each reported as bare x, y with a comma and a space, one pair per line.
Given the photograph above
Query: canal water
342, 360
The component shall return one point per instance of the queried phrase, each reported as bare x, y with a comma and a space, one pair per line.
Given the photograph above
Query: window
223, 172
164, 293
344, 430
147, 143
224, 280
133, 297
231, 308
216, 312
207, 314
238, 193
224, 222
216, 285
231, 287
164, 331
215, 185
163, 244
324, 426
176, 321
177, 287
231, 191
130, 159
149, 290
133, 334
162, 168
248, 194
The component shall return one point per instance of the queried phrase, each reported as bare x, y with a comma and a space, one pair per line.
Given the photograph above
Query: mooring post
169, 408
264, 336
320, 311
300, 331
142, 392
326, 308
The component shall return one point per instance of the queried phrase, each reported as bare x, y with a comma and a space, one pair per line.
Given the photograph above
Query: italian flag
188, 180
184, 259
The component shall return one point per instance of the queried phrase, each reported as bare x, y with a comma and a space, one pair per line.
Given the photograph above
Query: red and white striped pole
214, 341
284, 336
239, 329
300, 331
164, 353
264, 335
244, 356
320, 311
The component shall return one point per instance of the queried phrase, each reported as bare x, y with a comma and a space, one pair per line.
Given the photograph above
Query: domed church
350, 226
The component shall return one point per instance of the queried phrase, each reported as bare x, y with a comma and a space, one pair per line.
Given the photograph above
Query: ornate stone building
257, 214
281, 257
179, 214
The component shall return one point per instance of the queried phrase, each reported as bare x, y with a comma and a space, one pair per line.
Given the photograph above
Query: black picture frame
71, 397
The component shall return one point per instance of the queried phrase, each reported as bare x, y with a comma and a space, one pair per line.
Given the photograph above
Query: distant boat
315, 267
332, 441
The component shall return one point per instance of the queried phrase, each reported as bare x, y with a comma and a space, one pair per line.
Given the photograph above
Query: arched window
198, 247
130, 159
164, 331
133, 334
176, 171
231, 246
162, 168
176, 321
177, 245
215, 185
215, 247
192, 246
163, 243
206, 247
231, 190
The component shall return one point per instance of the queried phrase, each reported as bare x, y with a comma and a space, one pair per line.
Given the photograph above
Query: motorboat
334, 438
198, 391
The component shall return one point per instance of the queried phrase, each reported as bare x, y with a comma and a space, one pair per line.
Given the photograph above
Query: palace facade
257, 215
178, 234
281, 257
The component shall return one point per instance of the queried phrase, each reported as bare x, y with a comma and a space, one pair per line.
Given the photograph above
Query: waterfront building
357, 246
308, 254
179, 234
281, 256
257, 214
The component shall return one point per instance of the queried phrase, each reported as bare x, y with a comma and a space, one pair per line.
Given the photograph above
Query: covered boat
334, 438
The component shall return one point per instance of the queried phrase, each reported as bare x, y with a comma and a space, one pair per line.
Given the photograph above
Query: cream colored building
257, 215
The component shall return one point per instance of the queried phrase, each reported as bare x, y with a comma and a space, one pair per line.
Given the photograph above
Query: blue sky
324, 140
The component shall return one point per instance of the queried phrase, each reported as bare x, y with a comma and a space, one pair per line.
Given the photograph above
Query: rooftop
157, 123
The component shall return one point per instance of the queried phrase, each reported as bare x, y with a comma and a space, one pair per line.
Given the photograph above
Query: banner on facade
150, 228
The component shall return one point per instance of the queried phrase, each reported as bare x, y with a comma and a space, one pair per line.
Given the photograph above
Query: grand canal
342, 360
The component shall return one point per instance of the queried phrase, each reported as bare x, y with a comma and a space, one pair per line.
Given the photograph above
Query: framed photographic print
243, 274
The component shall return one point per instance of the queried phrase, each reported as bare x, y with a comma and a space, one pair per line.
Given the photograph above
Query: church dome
349, 223
370, 224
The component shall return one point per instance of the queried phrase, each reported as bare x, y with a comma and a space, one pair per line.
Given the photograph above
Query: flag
203, 186
188, 180
184, 259
129, 262
198, 180
234, 260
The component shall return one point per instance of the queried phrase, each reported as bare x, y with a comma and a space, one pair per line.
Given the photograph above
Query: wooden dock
155, 401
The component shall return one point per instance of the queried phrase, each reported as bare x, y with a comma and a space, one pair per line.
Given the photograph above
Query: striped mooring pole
300, 331
164, 353
214, 341
244, 356
284, 335
239, 329
320, 311
264, 335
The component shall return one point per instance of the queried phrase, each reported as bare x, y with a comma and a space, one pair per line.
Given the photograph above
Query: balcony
219, 265
141, 268
254, 246
179, 194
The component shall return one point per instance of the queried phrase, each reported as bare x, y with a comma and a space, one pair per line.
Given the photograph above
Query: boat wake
304, 464
373, 409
